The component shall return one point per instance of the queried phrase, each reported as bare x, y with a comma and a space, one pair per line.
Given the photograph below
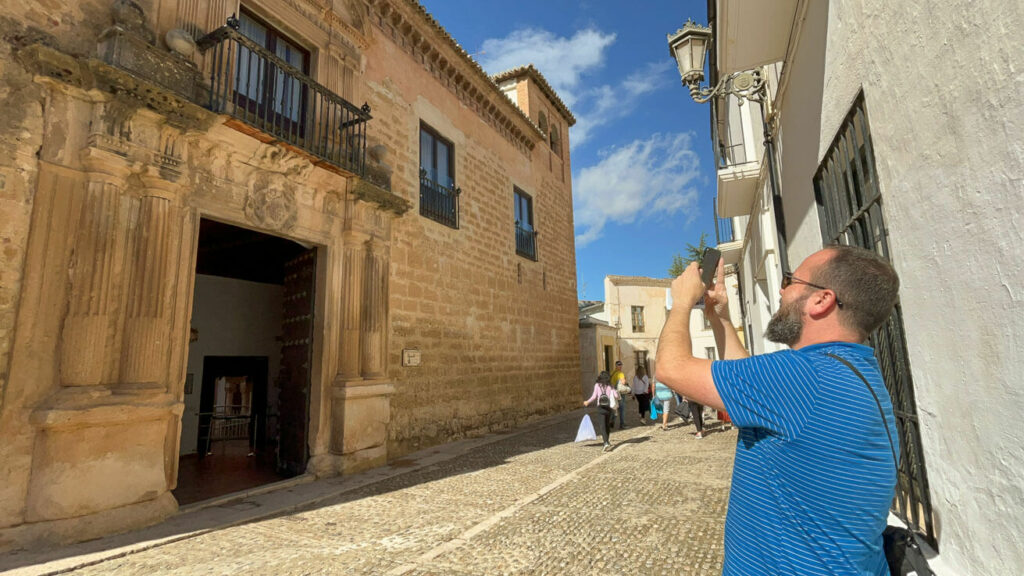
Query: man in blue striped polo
814, 474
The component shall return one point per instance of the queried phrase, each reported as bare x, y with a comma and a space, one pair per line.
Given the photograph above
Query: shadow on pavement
299, 495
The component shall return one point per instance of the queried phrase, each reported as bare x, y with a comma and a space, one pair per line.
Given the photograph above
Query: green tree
692, 254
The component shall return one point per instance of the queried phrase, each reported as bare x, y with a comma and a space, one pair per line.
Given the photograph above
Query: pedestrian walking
607, 397
663, 398
619, 381
641, 389
813, 443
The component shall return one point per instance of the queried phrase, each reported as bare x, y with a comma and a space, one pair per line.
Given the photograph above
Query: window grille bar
526, 242
437, 202
850, 212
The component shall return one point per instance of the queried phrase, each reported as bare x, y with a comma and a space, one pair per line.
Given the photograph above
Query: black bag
683, 410
902, 553
604, 401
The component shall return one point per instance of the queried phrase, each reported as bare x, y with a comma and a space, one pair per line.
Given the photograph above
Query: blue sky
642, 163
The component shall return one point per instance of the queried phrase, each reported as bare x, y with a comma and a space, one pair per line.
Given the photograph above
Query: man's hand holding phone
696, 281
716, 298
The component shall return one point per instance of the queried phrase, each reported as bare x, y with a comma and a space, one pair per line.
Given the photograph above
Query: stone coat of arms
271, 202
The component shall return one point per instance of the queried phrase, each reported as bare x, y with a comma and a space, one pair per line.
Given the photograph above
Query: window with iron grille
850, 211
638, 318
711, 353
526, 235
640, 356
268, 91
439, 197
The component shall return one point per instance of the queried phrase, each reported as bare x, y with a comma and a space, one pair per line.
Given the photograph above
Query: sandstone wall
497, 332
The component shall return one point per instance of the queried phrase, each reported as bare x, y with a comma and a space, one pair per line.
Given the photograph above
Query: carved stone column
353, 271
375, 310
90, 346
349, 373
96, 448
153, 265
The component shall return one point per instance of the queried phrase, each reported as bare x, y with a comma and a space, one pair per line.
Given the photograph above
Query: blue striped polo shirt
814, 476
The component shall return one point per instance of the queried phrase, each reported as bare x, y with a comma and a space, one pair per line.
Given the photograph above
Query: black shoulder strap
880, 411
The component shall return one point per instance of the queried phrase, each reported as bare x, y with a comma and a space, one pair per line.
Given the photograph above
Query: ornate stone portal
96, 388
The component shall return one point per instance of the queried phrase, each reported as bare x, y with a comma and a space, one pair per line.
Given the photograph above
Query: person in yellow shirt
619, 379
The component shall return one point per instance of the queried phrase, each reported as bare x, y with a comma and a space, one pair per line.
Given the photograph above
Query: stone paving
527, 503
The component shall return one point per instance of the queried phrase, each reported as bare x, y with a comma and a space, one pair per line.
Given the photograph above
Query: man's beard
786, 324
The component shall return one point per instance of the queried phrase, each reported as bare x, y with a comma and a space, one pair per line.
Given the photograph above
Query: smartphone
709, 265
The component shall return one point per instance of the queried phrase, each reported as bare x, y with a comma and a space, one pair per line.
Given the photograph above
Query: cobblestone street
527, 502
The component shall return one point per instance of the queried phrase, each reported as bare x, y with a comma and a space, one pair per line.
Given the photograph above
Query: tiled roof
639, 281
530, 70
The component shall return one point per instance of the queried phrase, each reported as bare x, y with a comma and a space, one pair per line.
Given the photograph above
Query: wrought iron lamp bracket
747, 84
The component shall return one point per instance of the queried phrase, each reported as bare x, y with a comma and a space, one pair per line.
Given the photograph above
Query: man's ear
820, 304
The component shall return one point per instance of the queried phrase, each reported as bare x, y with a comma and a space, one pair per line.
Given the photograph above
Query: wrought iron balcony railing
254, 86
723, 228
526, 242
437, 202
729, 146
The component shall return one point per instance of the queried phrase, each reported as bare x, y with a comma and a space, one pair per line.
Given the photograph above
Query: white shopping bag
586, 431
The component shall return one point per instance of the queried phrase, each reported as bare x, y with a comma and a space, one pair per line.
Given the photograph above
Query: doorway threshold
233, 497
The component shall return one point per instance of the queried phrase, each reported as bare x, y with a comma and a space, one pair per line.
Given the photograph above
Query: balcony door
264, 87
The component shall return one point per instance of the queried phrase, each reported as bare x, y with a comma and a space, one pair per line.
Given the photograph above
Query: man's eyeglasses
788, 279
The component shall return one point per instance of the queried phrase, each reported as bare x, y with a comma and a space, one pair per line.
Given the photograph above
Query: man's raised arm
677, 368
716, 308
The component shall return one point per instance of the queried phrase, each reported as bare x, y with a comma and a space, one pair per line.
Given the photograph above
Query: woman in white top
642, 391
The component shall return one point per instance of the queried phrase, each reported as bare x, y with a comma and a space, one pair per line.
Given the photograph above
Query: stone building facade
206, 236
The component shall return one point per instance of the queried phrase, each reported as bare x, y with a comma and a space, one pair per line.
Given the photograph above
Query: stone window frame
637, 314
439, 138
542, 122
519, 198
450, 220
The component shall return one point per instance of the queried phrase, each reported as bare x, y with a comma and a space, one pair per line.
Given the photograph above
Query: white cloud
561, 60
566, 62
605, 103
649, 178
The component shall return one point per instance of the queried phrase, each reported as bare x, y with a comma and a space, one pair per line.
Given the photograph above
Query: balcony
439, 203
275, 102
526, 242
728, 244
752, 34
737, 151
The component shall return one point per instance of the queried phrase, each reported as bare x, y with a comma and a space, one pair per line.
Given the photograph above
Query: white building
897, 126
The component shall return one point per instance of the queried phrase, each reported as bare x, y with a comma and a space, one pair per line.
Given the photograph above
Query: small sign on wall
411, 357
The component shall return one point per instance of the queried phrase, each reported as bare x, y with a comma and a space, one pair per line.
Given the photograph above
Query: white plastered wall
943, 91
